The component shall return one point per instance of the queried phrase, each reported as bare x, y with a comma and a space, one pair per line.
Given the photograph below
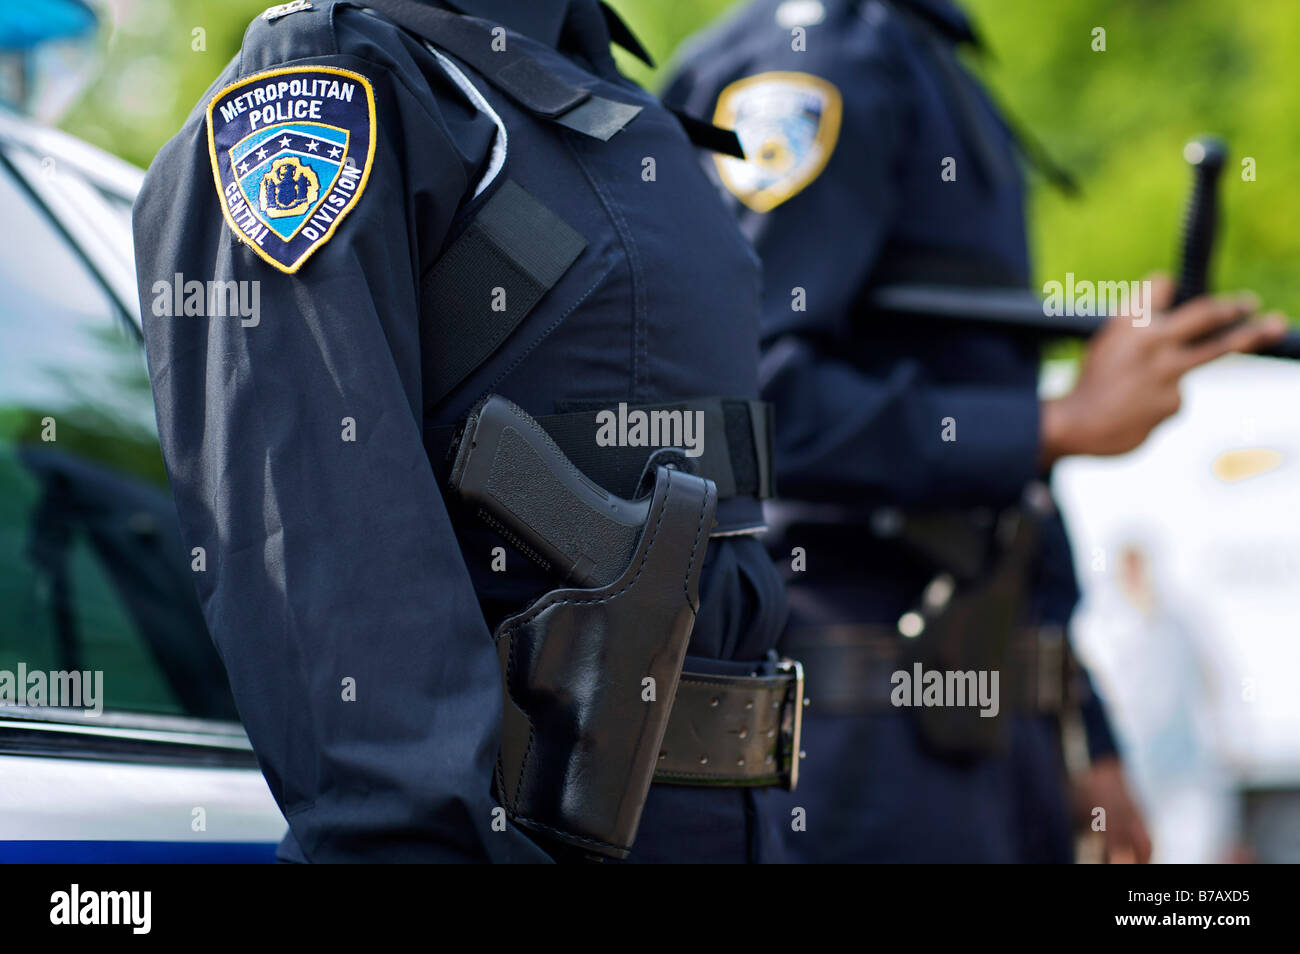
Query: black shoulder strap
708, 136
622, 34
939, 39
515, 249
512, 71
534, 87
992, 163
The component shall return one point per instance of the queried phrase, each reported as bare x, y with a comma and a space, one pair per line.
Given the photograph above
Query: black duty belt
736, 445
735, 731
850, 668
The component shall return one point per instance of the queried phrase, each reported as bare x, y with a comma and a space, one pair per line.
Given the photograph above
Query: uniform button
704, 760
743, 733
714, 702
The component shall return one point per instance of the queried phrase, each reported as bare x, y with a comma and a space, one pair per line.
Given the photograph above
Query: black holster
581, 733
973, 631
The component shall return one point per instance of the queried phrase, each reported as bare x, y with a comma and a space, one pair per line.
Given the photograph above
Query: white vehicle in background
93, 577
1188, 551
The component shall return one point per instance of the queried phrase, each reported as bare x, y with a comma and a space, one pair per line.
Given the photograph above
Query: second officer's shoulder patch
788, 124
291, 152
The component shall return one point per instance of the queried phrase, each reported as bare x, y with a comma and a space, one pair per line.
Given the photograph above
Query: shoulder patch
291, 152
788, 124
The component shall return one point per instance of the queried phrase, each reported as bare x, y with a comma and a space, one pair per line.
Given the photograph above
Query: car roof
103, 169
77, 184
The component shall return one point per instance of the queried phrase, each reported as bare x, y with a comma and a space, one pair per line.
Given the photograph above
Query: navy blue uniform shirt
853, 195
353, 620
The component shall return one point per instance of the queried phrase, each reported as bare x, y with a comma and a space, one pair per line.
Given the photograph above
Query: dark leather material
515, 73
736, 453
848, 668
580, 741
729, 730
972, 630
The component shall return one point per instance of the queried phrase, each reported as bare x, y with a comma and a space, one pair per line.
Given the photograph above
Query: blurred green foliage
1117, 119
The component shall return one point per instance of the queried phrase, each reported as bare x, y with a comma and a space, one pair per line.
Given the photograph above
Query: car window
93, 575
119, 207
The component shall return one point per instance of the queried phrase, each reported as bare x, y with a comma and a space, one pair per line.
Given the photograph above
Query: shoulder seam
328, 28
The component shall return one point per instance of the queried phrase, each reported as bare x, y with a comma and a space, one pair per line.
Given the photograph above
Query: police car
118, 737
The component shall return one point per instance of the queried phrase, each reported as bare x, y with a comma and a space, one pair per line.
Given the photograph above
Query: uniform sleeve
876, 432
331, 580
1096, 723
878, 436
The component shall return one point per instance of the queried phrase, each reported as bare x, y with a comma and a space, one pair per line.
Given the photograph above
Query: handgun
511, 472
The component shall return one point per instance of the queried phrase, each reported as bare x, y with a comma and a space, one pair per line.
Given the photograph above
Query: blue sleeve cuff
995, 443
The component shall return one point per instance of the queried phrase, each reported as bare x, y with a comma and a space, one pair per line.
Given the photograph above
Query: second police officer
911, 456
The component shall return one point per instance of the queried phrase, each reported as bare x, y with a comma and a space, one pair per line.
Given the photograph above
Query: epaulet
289, 31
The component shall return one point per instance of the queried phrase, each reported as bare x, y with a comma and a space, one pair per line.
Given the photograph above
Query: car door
118, 736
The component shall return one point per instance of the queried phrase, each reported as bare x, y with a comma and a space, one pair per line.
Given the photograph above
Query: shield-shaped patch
788, 124
291, 152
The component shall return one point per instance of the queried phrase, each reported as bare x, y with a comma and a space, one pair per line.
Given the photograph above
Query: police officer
903, 450
423, 204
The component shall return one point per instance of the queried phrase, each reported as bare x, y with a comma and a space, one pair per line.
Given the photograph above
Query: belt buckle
792, 733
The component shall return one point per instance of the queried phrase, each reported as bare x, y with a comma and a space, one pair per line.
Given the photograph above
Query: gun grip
521, 483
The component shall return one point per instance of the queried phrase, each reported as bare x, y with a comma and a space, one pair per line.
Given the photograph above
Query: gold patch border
365, 174
828, 134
